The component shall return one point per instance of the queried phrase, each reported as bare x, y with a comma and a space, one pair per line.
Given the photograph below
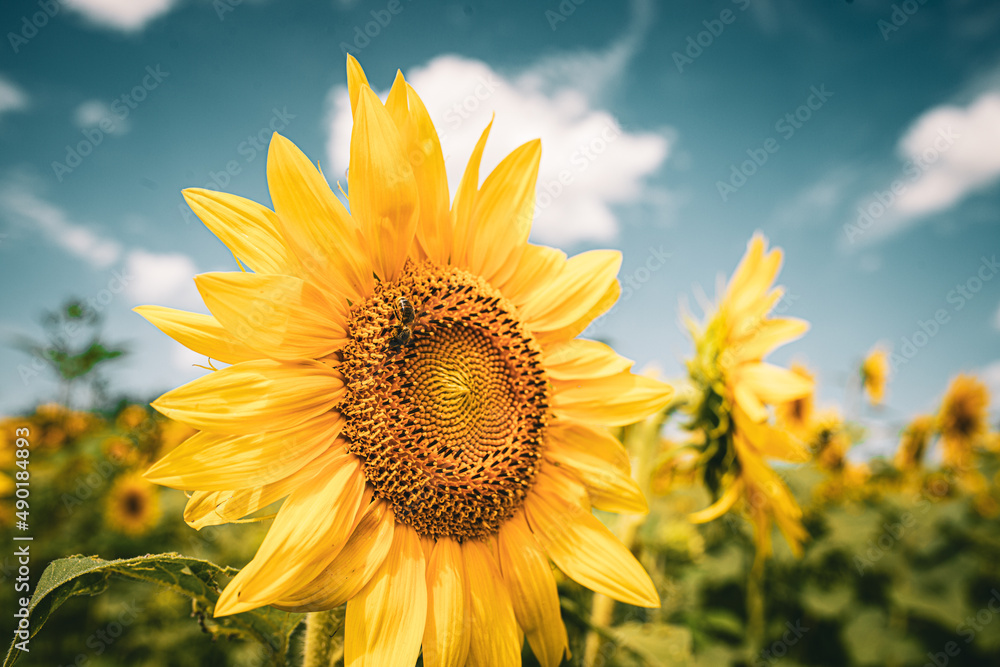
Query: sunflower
409, 375
875, 375
913, 444
132, 506
736, 387
796, 415
962, 420
829, 440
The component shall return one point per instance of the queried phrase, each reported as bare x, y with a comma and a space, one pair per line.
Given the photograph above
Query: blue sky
863, 138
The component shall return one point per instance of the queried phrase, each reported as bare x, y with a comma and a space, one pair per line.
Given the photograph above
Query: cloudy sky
862, 137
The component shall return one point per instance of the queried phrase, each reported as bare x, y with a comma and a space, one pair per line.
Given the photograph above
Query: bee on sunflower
734, 388
428, 482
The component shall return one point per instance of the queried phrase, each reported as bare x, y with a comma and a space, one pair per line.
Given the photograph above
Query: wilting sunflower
132, 506
408, 375
735, 387
913, 444
875, 375
962, 420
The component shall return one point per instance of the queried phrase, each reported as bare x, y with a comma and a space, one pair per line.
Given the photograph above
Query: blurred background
861, 137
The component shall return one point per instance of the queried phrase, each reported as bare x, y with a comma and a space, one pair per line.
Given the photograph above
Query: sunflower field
405, 436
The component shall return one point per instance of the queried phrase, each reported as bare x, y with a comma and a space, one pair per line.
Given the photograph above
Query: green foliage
197, 579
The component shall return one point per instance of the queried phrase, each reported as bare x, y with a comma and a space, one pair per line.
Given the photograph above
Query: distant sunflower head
829, 440
914, 443
962, 420
132, 506
406, 372
735, 389
875, 375
796, 415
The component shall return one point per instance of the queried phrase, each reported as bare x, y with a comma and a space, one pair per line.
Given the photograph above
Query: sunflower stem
324, 647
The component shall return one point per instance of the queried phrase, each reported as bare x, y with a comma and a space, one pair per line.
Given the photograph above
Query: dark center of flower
446, 404
134, 504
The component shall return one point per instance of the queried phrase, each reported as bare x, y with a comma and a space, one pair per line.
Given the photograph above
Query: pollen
450, 423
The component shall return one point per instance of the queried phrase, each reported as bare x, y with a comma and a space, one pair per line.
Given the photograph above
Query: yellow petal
773, 384
747, 401
385, 621
495, 640
503, 213
720, 506
465, 200
282, 316
532, 589
200, 333
213, 508
585, 550
767, 335
353, 567
383, 190
449, 623
537, 267
355, 80
250, 230
217, 462
310, 530
578, 288
771, 442
581, 358
254, 396
611, 401
324, 237
610, 489
574, 329
434, 231
589, 441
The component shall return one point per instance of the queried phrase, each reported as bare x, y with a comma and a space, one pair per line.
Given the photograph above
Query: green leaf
197, 579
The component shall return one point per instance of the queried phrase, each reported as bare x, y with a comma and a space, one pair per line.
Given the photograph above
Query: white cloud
953, 170
95, 113
125, 15
589, 162
79, 240
947, 154
161, 278
12, 98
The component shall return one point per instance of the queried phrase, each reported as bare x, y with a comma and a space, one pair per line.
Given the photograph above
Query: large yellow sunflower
408, 375
736, 387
